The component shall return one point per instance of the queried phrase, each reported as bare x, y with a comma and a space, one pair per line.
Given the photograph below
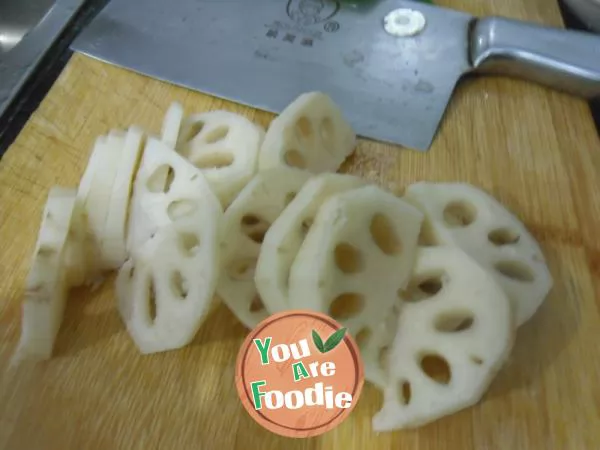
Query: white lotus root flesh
455, 331
286, 235
465, 216
310, 133
48, 281
224, 145
356, 256
245, 224
166, 288
168, 188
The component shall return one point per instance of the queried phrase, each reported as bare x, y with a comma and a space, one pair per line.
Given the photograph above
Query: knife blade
392, 75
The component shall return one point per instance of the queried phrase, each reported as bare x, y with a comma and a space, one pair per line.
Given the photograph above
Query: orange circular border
245, 395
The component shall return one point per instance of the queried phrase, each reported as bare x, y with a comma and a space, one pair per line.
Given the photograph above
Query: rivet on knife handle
558, 58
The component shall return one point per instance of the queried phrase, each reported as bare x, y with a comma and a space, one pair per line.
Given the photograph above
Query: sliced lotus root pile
244, 226
356, 256
95, 189
454, 333
172, 125
82, 250
167, 189
166, 289
310, 133
225, 146
97, 232
169, 135
113, 239
47, 284
462, 215
286, 235
81, 256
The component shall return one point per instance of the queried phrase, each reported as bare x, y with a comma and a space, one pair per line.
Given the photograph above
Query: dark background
35, 90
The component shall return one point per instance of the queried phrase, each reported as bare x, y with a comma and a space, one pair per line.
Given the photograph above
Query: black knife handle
561, 59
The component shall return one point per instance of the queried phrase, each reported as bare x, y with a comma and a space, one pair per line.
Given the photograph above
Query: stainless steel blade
264, 53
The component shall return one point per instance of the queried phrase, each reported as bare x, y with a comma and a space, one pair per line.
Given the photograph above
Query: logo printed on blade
299, 374
305, 14
311, 12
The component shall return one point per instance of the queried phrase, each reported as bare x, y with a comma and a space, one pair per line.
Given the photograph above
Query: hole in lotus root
258, 236
346, 305
256, 305
179, 285
436, 368
384, 235
363, 336
181, 208
254, 227
306, 224
404, 392
217, 134
503, 236
384, 353
213, 160
294, 158
327, 133
194, 131
427, 236
169, 179
45, 251
459, 214
250, 220
289, 197
304, 128
476, 360
424, 287
348, 258
515, 270
242, 269
152, 307
454, 321
190, 243
161, 179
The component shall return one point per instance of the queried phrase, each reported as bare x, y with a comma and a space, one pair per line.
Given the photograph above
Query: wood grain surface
536, 150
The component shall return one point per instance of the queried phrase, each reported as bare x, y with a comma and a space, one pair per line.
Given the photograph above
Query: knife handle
561, 59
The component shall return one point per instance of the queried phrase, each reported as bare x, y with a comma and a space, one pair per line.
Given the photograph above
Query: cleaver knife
390, 65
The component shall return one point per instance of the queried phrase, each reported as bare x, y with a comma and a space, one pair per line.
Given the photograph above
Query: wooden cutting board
534, 149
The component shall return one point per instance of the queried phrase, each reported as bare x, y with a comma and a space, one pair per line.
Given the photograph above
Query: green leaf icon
318, 341
334, 340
